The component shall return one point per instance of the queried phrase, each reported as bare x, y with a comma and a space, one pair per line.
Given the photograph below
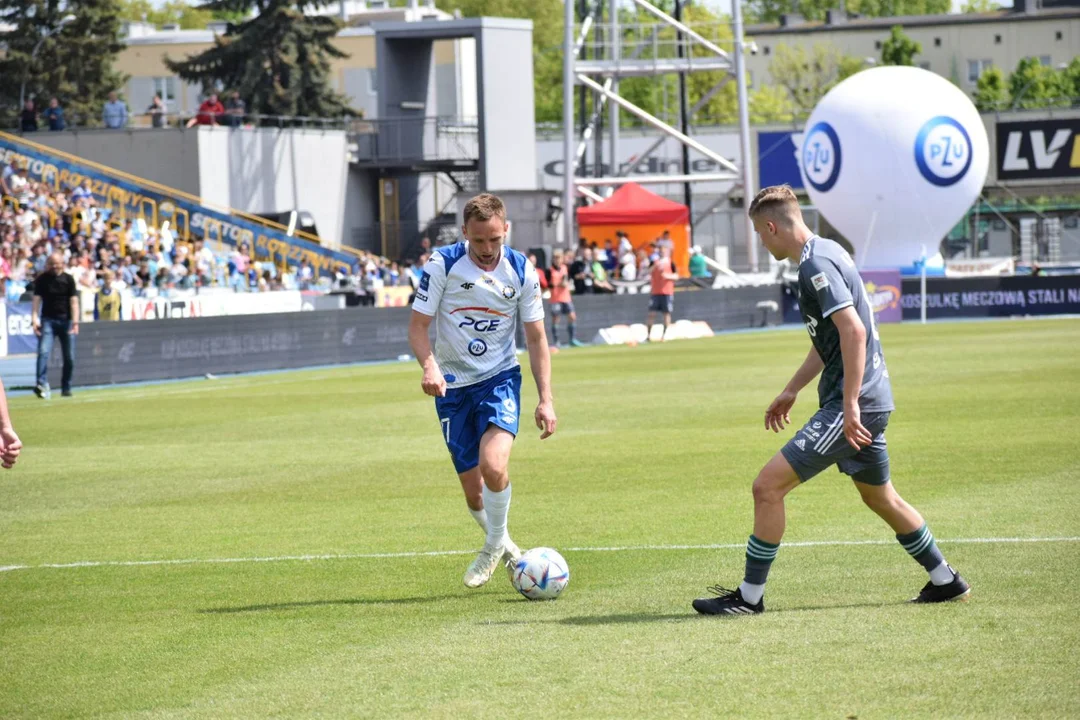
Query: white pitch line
441, 553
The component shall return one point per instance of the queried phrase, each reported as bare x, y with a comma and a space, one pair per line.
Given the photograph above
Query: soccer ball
540, 574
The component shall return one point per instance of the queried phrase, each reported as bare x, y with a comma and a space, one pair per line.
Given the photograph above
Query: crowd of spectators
596, 268
115, 113
37, 220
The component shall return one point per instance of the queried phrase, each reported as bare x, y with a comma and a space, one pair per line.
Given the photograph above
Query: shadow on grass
633, 618
326, 603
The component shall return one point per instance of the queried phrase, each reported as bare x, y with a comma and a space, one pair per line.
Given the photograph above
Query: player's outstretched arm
433, 382
10, 445
778, 414
540, 362
853, 350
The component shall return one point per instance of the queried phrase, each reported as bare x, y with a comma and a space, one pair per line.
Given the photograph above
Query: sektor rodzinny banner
189, 219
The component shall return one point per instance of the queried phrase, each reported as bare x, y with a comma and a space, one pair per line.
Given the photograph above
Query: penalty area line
442, 553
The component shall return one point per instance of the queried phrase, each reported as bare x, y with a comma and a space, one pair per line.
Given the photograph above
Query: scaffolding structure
621, 52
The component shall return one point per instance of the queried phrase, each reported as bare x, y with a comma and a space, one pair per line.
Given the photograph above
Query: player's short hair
483, 207
777, 201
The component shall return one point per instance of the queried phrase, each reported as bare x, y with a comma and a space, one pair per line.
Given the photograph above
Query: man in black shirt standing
55, 315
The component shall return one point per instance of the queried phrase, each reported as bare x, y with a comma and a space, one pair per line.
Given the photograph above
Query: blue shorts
662, 303
466, 412
821, 443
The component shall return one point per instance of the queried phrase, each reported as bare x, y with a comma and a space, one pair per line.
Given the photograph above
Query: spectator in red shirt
663, 277
210, 112
561, 304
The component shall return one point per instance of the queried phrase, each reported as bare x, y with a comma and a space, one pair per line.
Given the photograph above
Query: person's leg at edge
909, 526
570, 320
555, 327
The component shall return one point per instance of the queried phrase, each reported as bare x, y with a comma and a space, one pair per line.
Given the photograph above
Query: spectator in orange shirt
561, 304
210, 112
663, 278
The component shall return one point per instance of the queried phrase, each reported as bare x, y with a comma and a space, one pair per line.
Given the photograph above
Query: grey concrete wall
265, 169
168, 157
361, 210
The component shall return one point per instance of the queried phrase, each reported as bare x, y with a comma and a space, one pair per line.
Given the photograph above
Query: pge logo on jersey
821, 157
943, 151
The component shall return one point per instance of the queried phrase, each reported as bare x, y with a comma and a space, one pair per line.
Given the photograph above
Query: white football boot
511, 554
483, 566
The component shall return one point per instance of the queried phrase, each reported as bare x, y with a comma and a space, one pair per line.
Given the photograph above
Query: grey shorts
566, 308
821, 443
662, 303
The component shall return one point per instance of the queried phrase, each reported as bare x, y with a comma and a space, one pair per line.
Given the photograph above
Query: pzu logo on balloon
943, 151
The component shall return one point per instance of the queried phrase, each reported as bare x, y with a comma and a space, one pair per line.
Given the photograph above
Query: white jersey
476, 311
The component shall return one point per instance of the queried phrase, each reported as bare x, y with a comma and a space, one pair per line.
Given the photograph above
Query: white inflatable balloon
894, 157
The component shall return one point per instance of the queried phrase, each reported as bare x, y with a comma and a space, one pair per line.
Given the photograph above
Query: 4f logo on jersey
1039, 149
467, 285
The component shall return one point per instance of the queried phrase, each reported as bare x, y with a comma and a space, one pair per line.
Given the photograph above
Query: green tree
979, 6
807, 76
770, 104
74, 64
278, 60
188, 16
1070, 80
769, 11
899, 49
1034, 85
547, 17
991, 92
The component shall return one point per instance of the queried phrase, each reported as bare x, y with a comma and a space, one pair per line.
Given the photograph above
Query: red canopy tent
641, 214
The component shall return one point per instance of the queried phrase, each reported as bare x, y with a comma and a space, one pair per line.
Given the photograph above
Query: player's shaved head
776, 203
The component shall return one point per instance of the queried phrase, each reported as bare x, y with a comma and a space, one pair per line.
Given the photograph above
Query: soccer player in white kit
475, 290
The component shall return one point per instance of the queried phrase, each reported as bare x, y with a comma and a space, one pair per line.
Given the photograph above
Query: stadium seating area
36, 220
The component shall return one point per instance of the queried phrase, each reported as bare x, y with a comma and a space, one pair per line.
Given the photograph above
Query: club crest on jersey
508, 292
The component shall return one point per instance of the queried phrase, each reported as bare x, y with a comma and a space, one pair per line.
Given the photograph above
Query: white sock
480, 517
497, 507
941, 575
751, 593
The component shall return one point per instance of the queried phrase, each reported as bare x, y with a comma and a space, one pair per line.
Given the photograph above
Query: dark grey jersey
828, 282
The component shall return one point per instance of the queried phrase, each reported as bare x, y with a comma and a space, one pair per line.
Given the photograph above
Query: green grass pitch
657, 447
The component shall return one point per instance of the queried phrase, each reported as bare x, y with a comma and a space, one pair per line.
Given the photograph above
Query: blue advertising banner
993, 296
21, 337
156, 204
777, 160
